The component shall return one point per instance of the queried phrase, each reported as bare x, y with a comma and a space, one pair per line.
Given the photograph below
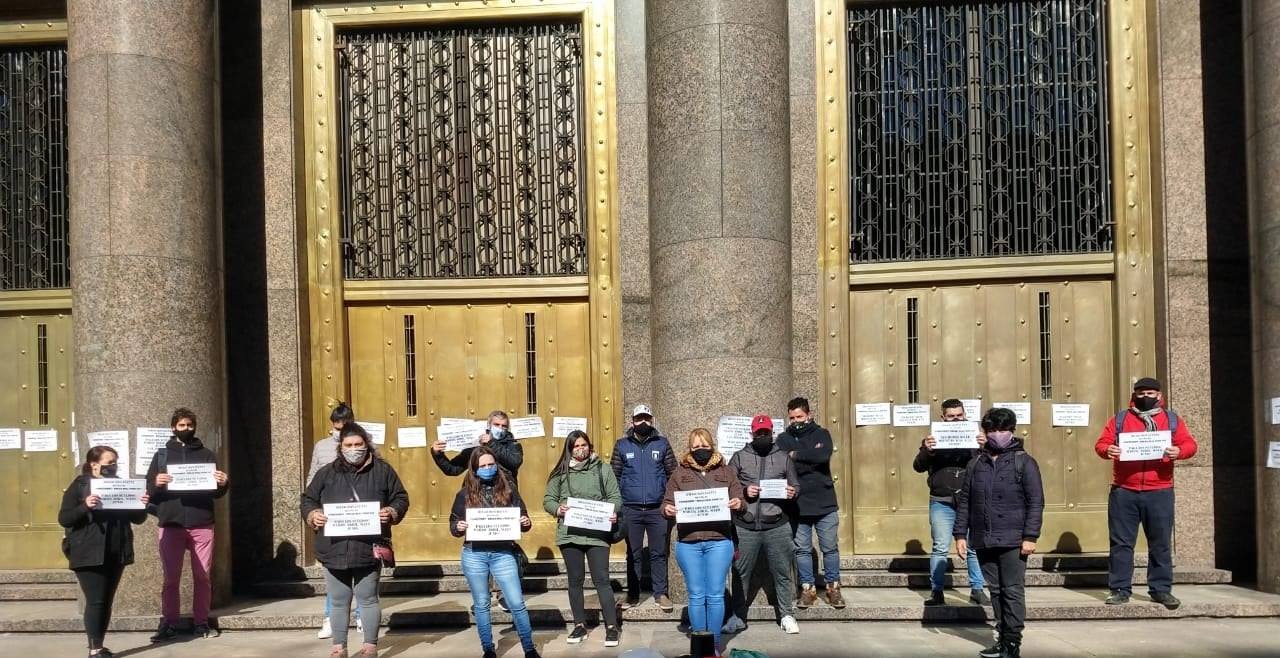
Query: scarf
687, 460
1149, 417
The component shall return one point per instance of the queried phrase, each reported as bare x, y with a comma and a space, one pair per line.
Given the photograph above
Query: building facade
569, 207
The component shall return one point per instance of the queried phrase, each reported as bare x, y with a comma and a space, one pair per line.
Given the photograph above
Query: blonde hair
705, 435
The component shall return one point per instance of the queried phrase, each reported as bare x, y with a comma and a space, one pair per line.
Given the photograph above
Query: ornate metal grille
34, 253
461, 152
978, 129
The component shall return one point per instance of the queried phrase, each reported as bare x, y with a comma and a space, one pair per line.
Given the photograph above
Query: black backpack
619, 530
1019, 467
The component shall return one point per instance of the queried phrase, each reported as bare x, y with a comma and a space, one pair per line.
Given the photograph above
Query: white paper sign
1137, 446
411, 437
75, 448
150, 439
1070, 415
458, 437
1273, 454
377, 431
955, 435
191, 477
457, 421
119, 494
972, 409
702, 505
529, 427
1020, 409
910, 415
589, 514
733, 434
773, 489
493, 524
351, 519
10, 438
872, 413
779, 426
117, 440
40, 440
1275, 411
562, 426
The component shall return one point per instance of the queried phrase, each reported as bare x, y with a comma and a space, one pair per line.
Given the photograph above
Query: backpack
1173, 420
1019, 467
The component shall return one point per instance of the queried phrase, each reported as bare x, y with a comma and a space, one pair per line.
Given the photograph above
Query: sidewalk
1226, 638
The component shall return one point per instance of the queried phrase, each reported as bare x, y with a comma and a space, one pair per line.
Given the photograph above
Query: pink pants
174, 543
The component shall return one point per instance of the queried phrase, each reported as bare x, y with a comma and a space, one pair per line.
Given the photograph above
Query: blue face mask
496, 432
487, 473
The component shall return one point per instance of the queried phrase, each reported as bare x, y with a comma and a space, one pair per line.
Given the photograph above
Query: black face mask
762, 442
799, 427
644, 430
701, 456
108, 471
185, 436
1145, 403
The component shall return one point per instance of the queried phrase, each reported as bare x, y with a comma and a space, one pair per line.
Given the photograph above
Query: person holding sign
99, 541
322, 454
946, 469
643, 461
1142, 493
704, 549
578, 478
354, 547
810, 447
487, 486
185, 517
497, 438
764, 524
1000, 508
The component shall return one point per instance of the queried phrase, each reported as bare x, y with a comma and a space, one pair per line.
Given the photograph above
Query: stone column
1262, 61
147, 282
719, 210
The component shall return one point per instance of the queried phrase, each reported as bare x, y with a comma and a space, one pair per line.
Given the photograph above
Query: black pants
1005, 569
576, 559
643, 522
1154, 510
99, 586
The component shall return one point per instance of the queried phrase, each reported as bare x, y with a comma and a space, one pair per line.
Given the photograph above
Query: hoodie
182, 509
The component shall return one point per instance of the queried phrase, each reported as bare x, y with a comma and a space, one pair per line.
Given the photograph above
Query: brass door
35, 393
413, 365
1042, 342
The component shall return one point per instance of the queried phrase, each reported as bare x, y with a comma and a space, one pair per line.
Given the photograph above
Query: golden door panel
1044, 342
35, 393
410, 366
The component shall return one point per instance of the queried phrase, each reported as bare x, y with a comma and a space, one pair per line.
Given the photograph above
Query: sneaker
338, 652
994, 651
532, 653
808, 597
630, 602
206, 631
979, 597
611, 635
664, 602
733, 625
105, 653
578, 634
789, 625
326, 630
368, 651
833, 595
1166, 599
1012, 650
935, 599
490, 653
1116, 597
164, 633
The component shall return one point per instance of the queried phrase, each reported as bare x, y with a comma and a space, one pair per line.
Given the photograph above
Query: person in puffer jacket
764, 525
999, 509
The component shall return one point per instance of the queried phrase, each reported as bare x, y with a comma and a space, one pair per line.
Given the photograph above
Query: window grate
410, 368
913, 350
42, 371
1046, 348
531, 363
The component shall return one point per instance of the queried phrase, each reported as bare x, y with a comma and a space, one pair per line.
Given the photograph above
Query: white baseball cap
642, 410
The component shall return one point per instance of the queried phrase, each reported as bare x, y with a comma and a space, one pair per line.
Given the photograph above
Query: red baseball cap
761, 422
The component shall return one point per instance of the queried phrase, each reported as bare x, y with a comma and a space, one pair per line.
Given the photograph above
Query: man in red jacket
1142, 492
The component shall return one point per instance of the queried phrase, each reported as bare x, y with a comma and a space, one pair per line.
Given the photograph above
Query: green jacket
581, 483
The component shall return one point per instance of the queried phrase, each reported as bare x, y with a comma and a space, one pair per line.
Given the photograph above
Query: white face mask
354, 456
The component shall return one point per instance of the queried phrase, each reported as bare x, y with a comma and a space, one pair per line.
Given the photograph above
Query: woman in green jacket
581, 475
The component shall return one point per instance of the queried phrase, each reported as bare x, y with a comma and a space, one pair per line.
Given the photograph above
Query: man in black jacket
946, 470
1000, 508
809, 446
185, 518
497, 437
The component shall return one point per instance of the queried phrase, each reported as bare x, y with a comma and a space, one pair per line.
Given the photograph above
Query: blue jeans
942, 519
828, 527
706, 568
477, 565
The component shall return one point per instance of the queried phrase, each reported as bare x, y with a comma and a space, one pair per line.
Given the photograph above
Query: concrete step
39, 592
36, 576
451, 610
398, 584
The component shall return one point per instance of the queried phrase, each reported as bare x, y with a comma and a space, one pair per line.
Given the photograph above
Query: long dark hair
562, 466
352, 429
473, 485
94, 456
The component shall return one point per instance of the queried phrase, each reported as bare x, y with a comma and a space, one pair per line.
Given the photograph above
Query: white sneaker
359, 625
733, 625
789, 625
326, 631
